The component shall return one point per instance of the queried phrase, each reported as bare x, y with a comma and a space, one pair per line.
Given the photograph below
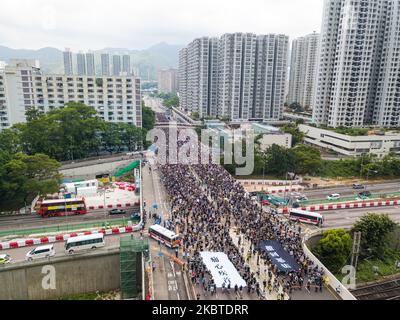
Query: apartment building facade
358, 73
68, 65
303, 66
23, 85
168, 81
239, 76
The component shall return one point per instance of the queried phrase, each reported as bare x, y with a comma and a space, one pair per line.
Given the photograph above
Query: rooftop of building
360, 132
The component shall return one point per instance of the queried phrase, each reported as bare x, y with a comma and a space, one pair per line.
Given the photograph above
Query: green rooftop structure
127, 169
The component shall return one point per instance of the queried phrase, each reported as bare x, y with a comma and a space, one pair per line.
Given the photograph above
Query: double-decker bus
61, 207
165, 236
306, 217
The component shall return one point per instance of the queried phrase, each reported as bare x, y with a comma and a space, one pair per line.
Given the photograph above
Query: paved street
386, 187
346, 218
18, 255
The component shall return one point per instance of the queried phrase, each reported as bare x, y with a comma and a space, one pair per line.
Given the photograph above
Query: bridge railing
334, 283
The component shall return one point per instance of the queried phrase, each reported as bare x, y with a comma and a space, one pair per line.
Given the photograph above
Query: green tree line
73, 132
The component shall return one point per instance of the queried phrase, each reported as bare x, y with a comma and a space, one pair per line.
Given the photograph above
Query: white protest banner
222, 270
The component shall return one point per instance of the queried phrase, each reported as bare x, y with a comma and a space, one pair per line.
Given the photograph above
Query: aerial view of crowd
207, 203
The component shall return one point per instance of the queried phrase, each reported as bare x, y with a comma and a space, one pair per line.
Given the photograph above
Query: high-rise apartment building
23, 85
81, 64
240, 76
168, 81
126, 64
117, 68
105, 64
183, 80
68, 66
303, 70
358, 71
90, 64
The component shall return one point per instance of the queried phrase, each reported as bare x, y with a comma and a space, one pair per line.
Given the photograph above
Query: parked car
333, 196
4, 259
117, 211
358, 186
40, 253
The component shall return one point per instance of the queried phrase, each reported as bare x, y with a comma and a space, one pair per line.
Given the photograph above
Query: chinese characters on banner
282, 259
222, 270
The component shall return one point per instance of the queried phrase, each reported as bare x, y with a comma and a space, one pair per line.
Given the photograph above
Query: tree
334, 249
297, 136
10, 140
111, 137
172, 102
375, 229
296, 107
132, 137
195, 115
308, 159
279, 160
22, 177
149, 118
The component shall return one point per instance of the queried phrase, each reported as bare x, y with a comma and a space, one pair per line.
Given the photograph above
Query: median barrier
340, 206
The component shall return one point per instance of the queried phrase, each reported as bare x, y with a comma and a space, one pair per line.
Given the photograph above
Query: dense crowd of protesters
207, 203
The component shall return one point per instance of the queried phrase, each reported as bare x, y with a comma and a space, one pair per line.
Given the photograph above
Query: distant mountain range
147, 61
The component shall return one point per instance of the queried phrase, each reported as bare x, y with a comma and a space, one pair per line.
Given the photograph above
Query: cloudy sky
138, 24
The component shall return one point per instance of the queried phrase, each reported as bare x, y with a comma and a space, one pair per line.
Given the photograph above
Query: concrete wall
73, 275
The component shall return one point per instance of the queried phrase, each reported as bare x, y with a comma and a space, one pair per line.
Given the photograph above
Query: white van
333, 196
40, 253
92, 241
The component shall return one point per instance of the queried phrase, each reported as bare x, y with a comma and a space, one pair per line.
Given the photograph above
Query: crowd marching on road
207, 203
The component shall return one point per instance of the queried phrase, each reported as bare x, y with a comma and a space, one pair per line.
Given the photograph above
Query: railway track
389, 290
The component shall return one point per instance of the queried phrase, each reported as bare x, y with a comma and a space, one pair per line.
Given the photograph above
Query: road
167, 276
386, 187
22, 222
346, 218
18, 254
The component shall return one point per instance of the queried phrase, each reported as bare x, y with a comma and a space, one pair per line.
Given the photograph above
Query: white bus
306, 217
79, 243
165, 236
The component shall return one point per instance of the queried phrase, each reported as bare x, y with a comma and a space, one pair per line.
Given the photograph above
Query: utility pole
356, 249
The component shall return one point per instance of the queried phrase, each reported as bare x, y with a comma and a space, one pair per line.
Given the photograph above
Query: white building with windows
116, 67
68, 65
358, 73
23, 85
303, 70
90, 64
168, 80
105, 64
241, 76
81, 64
380, 145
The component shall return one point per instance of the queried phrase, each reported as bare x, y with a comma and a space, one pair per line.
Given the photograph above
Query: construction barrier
58, 238
340, 206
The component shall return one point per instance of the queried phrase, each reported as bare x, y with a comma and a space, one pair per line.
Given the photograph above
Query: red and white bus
165, 236
306, 217
61, 207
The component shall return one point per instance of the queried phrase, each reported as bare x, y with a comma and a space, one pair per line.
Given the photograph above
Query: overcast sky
138, 24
